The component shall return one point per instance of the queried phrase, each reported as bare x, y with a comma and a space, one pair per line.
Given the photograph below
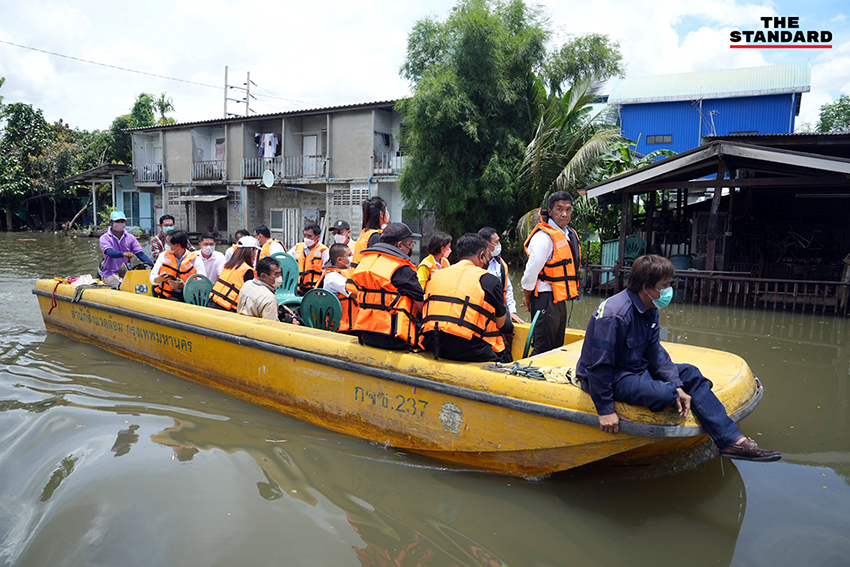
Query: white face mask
169, 248
119, 226
340, 238
208, 250
497, 250
278, 281
309, 242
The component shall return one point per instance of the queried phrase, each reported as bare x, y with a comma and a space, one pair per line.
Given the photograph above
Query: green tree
143, 112
25, 137
164, 105
835, 116
120, 142
591, 55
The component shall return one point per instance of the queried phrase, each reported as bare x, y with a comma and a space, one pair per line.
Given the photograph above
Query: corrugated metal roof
724, 83
260, 117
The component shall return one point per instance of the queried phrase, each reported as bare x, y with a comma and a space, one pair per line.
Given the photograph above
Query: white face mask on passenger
497, 250
310, 242
278, 281
208, 250
339, 238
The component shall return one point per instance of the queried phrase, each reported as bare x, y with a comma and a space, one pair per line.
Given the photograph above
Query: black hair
206, 235
554, 198
164, 218
437, 241
470, 245
372, 209
337, 251
487, 233
240, 233
178, 236
241, 256
264, 266
648, 270
316, 229
263, 230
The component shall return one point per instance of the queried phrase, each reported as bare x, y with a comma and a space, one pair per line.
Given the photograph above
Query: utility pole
225, 91
248, 95
246, 100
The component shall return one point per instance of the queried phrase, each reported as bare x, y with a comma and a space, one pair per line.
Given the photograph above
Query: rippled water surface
106, 461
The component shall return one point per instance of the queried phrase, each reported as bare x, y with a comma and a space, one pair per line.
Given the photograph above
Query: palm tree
164, 104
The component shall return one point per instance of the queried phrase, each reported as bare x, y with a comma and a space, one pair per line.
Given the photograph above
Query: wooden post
650, 213
712, 218
621, 253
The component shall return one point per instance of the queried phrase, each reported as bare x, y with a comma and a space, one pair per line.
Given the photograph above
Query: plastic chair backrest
633, 249
289, 271
681, 261
196, 290
530, 339
320, 309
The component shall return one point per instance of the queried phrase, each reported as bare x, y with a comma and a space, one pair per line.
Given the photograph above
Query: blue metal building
675, 111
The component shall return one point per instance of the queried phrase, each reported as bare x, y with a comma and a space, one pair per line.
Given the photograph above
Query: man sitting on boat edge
623, 360
465, 313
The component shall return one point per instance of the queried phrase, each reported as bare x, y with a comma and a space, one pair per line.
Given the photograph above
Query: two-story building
283, 170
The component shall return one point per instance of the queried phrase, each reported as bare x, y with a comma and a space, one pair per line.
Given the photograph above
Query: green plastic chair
196, 290
633, 249
285, 294
530, 339
321, 309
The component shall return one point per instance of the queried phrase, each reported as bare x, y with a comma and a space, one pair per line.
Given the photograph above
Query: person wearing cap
341, 231
465, 313
388, 291
119, 247
311, 255
237, 270
174, 266
268, 245
166, 225
212, 258
239, 234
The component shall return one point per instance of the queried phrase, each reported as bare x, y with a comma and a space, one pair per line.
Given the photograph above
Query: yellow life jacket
181, 269
226, 290
454, 304
430, 263
562, 269
309, 266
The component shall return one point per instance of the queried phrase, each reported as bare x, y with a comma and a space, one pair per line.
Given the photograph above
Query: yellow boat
465, 413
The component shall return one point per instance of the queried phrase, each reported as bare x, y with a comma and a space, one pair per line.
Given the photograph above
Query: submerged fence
740, 291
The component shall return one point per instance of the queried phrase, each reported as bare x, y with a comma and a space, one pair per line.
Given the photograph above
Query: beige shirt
256, 299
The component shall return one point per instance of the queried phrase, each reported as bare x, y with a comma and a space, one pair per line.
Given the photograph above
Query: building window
660, 139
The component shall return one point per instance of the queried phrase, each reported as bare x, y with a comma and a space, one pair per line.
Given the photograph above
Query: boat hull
455, 412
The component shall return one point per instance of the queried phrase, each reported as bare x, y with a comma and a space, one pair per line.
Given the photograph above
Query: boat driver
622, 360
119, 247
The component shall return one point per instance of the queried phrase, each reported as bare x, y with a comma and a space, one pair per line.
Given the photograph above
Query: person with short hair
212, 258
238, 270
239, 234
268, 244
552, 272
311, 255
166, 225
622, 360
335, 279
465, 314
499, 268
119, 247
341, 231
439, 248
376, 215
257, 299
388, 292
174, 266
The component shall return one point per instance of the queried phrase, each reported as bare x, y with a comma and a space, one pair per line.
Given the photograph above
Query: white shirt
213, 265
540, 250
495, 268
334, 282
229, 253
275, 247
199, 266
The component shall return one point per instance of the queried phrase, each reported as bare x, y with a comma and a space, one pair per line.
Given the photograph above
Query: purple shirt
127, 243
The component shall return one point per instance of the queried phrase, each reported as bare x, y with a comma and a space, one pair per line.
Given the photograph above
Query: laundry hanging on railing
267, 145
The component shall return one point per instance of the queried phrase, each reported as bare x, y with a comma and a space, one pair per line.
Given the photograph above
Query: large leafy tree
25, 137
835, 116
591, 55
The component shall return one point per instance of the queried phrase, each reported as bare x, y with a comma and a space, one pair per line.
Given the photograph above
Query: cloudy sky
327, 52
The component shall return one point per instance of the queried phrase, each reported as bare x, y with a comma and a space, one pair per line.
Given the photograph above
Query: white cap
249, 242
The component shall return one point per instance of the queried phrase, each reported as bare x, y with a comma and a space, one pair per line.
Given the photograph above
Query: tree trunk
53, 228
73, 220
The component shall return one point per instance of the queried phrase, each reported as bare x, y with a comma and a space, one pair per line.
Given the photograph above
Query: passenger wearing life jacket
334, 279
268, 245
389, 296
465, 314
311, 256
174, 266
238, 270
341, 231
239, 234
375, 217
439, 248
552, 274
499, 268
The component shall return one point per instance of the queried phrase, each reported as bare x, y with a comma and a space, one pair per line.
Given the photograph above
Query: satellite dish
268, 178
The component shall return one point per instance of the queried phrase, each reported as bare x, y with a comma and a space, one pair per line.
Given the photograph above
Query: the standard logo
780, 32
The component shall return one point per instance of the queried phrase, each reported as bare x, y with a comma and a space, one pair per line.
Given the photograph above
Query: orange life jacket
265, 252
382, 309
225, 292
348, 302
181, 269
362, 243
431, 264
562, 269
454, 304
309, 266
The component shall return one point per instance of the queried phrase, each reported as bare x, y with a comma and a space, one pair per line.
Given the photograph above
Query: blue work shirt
622, 339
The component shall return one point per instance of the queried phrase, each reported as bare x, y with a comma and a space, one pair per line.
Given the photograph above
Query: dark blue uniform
622, 360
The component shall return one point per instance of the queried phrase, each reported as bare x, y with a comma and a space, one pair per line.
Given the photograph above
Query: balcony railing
208, 170
388, 163
149, 173
305, 166
253, 168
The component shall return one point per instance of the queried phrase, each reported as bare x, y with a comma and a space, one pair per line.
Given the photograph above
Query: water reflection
125, 440
66, 467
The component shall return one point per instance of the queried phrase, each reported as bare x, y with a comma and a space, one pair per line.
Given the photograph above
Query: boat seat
320, 309
290, 272
196, 290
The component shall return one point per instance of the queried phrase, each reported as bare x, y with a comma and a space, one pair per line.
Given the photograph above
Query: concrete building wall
234, 150
351, 144
177, 155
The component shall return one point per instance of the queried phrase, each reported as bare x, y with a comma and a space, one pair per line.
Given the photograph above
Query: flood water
106, 461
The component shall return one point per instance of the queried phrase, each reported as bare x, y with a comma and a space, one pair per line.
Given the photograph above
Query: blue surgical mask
664, 299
